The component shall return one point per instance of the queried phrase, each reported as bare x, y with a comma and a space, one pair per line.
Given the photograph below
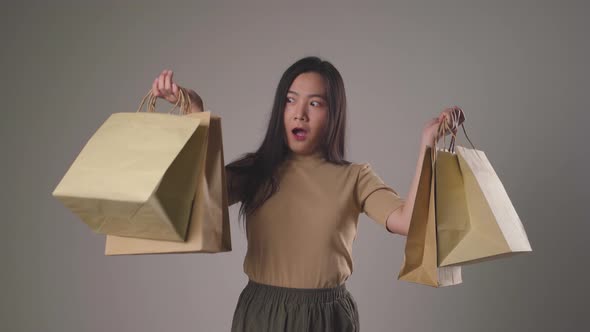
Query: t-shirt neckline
309, 159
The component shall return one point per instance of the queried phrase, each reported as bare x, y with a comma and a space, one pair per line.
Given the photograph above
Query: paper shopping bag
475, 218
209, 228
420, 263
135, 176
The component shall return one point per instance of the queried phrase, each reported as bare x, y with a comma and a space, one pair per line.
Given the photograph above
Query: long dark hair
256, 171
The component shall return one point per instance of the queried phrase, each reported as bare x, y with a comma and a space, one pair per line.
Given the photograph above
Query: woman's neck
316, 156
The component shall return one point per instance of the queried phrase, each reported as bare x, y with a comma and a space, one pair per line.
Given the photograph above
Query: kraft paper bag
420, 264
135, 176
209, 227
475, 218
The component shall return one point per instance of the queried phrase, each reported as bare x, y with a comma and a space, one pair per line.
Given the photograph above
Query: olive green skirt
264, 307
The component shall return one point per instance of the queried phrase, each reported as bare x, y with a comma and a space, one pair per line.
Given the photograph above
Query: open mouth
299, 133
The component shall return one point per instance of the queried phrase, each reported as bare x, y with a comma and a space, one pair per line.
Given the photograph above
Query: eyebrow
312, 95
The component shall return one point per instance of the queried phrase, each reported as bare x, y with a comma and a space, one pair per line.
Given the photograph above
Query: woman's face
306, 113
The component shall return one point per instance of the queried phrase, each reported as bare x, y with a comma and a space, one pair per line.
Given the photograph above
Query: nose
301, 111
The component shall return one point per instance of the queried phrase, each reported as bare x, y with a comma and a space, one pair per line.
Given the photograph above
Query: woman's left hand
453, 115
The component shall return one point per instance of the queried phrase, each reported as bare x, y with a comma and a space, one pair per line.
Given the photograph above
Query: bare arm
399, 220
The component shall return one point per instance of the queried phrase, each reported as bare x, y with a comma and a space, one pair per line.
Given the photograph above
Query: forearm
411, 197
399, 221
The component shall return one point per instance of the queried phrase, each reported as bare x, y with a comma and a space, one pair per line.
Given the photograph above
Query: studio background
519, 69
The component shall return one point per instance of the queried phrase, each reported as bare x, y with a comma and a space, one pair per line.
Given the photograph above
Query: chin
296, 149
303, 151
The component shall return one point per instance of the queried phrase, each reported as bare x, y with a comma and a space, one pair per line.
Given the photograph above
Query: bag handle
457, 117
183, 101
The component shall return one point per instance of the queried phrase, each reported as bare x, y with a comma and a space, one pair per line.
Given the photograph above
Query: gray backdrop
519, 69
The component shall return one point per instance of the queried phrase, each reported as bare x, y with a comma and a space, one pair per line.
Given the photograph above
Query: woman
300, 202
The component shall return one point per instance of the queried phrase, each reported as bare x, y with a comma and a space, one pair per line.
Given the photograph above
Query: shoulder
362, 168
349, 166
366, 176
355, 171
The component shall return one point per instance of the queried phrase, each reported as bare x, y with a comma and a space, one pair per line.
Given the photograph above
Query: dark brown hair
256, 171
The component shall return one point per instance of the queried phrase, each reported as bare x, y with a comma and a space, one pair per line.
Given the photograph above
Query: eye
289, 99
317, 103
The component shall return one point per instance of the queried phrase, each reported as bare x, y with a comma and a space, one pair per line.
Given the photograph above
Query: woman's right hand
164, 87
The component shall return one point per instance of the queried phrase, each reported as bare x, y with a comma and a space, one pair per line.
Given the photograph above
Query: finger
453, 112
449, 112
175, 89
161, 79
155, 90
455, 117
449, 116
171, 79
167, 81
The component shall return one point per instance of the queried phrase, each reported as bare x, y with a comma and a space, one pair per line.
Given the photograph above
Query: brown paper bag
209, 229
475, 218
420, 257
136, 174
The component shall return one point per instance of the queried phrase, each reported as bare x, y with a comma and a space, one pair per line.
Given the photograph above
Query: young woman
300, 202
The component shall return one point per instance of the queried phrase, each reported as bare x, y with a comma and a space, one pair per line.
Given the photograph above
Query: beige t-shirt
302, 235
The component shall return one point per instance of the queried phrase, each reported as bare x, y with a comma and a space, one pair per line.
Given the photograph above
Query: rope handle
450, 125
183, 102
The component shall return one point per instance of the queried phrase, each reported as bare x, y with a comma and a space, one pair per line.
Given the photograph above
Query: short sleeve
376, 199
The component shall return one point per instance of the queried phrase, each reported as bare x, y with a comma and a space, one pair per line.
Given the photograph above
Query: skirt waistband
295, 295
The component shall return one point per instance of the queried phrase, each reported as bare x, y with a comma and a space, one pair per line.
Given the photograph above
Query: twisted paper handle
183, 101
450, 125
